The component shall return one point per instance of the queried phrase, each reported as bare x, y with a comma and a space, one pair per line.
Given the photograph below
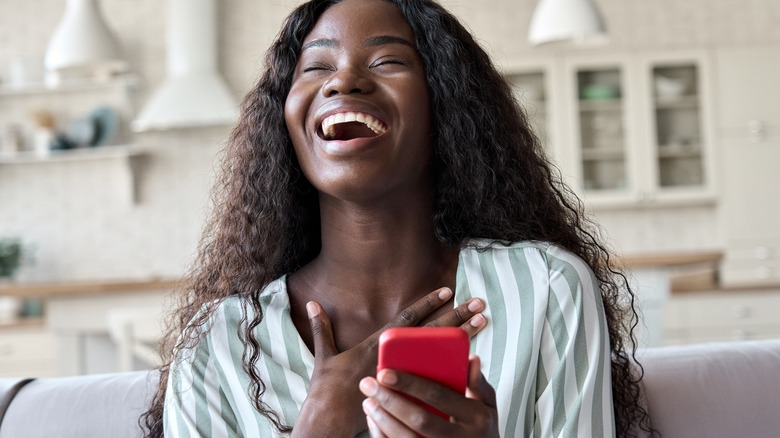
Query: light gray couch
709, 390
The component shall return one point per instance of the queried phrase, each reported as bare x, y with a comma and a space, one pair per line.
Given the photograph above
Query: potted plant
10, 256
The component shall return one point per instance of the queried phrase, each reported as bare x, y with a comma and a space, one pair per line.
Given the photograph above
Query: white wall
68, 212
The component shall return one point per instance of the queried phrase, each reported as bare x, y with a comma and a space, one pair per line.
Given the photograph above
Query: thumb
321, 331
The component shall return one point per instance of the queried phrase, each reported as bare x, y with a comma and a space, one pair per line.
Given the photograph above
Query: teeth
374, 124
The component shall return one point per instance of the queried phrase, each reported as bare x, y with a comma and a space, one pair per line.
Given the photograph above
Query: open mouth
351, 125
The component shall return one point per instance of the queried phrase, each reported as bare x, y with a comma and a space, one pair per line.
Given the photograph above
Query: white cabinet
27, 350
721, 316
749, 127
639, 128
626, 129
534, 82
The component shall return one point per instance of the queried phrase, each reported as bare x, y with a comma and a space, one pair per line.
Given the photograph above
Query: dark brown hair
491, 180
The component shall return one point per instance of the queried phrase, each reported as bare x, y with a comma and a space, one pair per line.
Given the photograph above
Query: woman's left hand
389, 414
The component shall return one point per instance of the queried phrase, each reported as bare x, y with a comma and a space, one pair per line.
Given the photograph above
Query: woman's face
358, 110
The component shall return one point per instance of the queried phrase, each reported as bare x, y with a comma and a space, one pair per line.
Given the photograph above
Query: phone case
435, 353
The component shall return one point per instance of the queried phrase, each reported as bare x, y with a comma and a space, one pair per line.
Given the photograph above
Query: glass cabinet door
678, 130
529, 89
603, 155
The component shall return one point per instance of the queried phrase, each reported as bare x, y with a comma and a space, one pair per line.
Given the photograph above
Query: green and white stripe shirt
545, 351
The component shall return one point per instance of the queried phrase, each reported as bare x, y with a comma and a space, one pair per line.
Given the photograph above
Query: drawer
721, 334
735, 274
753, 250
29, 368
732, 311
25, 345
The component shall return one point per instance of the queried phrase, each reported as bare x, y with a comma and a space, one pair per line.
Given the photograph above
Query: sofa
708, 390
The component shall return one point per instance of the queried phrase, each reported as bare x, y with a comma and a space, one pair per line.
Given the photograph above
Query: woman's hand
333, 390
389, 414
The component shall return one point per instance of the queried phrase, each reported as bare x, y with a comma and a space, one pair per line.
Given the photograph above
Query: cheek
294, 116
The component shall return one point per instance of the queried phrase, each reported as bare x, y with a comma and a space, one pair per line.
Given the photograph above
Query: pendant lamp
566, 20
82, 43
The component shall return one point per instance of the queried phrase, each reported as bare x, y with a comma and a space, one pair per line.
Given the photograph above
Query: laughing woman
383, 175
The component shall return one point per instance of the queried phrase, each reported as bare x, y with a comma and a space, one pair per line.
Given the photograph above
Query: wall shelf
78, 154
127, 153
70, 86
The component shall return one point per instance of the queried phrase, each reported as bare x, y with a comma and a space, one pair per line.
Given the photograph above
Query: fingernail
369, 405
387, 377
312, 309
477, 321
368, 387
475, 305
445, 293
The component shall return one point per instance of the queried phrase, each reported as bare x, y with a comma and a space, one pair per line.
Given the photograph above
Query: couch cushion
714, 390
103, 405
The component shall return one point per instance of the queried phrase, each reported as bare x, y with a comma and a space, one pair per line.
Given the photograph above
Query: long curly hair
491, 180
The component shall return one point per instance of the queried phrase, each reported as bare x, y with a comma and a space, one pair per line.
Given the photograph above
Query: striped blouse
545, 351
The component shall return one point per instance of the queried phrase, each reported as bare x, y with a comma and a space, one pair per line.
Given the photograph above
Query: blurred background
113, 113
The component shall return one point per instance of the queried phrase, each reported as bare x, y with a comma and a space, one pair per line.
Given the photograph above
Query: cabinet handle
756, 131
6, 349
764, 272
741, 311
762, 253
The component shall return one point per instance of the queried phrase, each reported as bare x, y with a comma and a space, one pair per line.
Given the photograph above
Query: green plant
10, 256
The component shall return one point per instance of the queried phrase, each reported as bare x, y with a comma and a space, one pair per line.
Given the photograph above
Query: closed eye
387, 62
315, 67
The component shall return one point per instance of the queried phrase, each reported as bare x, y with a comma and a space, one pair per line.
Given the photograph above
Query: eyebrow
370, 42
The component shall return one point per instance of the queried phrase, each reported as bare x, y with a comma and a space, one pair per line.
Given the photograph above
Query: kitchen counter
78, 315
671, 259
74, 288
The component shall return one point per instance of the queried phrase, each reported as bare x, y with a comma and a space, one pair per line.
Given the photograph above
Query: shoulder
537, 261
553, 256
235, 308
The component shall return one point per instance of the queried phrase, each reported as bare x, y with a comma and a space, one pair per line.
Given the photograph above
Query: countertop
72, 288
671, 259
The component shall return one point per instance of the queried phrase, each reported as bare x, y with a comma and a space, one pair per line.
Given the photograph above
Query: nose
347, 81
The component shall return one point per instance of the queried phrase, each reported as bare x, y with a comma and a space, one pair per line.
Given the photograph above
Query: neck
379, 258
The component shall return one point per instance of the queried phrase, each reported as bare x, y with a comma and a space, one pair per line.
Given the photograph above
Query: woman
381, 164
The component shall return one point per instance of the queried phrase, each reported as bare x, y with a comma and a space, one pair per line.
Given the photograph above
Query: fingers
397, 416
421, 308
477, 387
476, 413
373, 428
321, 331
467, 316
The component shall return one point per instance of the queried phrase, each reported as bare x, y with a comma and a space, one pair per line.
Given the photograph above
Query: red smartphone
440, 354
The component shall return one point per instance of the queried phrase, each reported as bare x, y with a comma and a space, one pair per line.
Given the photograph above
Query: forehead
360, 19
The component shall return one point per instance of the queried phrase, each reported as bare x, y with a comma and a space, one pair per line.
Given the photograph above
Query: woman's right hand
333, 390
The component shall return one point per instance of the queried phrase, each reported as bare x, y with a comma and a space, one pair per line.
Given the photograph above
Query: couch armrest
718, 389
8, 390
81, 406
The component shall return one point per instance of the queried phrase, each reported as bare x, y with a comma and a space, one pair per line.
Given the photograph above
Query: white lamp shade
558, 20
82, 40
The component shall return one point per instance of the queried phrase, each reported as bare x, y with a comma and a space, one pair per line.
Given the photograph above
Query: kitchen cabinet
533, 82
627, 130
27, 349
749, 128
722, 316
75, 334
640, 128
